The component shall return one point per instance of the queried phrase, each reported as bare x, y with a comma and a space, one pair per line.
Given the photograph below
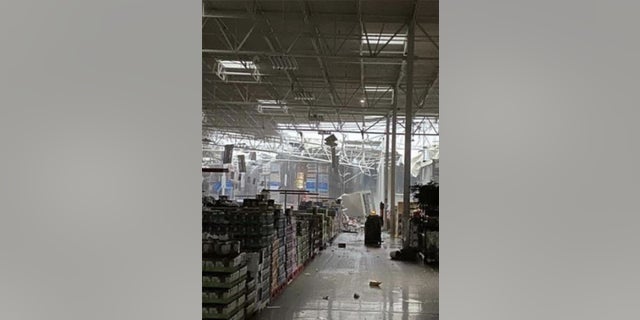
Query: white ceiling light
303, 96
227, 68
237, 64
380, 93
378, 88
283, 63
272, 105
382, 38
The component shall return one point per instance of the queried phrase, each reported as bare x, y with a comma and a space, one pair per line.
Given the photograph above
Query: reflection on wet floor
408, 291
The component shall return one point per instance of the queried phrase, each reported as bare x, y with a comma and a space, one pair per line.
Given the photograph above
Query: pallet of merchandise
264, 274
223, 280
274, 277
252, 296
251, 302
251, 284
264, 296
250, 309
223, 295
259, 230
255, 242
224, 264
265, 286
234, 310
282, 274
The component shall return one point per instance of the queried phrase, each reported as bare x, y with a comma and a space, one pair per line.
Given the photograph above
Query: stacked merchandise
224, 274
334, 222
255, 229
328, 230
248, 231
280, 223
275, 261
424, 229
303, 245
278, 256
291, 247
259, 270
224, 269
315, 226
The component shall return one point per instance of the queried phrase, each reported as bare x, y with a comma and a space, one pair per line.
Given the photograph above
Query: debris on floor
374, 283
307, 274
356, 296
342, 245
325, 298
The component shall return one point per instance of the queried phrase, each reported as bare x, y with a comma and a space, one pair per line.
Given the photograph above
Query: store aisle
408, 291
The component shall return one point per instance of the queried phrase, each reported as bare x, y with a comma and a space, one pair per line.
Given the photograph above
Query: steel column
385, 196
407, 133
392, 166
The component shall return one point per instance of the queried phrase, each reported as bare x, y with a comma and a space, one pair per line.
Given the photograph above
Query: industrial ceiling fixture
380, 93
382, 38
303, 96
386, 40
228, 69
283, 63
270, 106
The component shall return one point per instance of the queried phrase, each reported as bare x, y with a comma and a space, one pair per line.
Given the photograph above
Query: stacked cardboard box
303, 245
316, 224
278, 256
275, 261
224, 279
259, 269
240, 286
291, 248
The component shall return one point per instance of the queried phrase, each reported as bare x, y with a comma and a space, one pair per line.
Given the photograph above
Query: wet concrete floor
409, 291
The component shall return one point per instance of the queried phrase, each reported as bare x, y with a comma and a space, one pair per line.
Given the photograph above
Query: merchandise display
252, 251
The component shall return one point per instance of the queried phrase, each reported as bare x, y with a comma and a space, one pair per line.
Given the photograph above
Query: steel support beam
385, 196
313, 55
407, 132
319, 17
392, 166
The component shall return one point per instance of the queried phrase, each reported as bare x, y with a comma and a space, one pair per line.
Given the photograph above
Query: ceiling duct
283, 63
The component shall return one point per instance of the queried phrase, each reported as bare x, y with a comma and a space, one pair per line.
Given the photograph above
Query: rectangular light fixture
266, 105
237, 64
283, 63
378, 89
227, 68
380, 93
303, 96
382, 38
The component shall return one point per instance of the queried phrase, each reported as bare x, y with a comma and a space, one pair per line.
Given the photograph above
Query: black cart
373, 231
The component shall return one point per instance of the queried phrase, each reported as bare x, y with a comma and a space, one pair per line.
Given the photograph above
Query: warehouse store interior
320, 159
